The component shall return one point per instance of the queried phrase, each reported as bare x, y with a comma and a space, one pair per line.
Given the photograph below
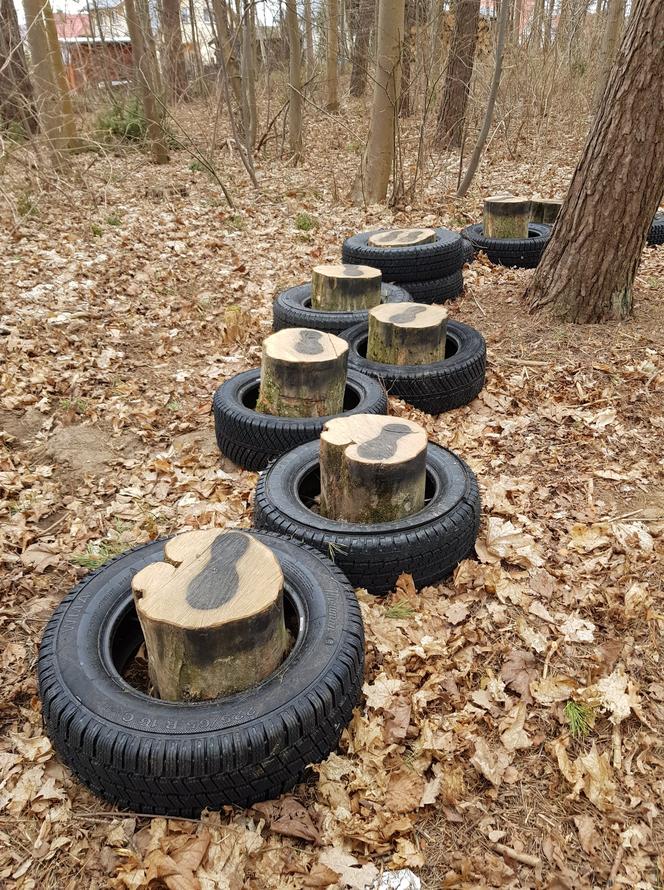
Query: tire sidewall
290, 307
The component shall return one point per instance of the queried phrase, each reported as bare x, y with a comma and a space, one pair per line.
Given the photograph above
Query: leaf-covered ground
511, 730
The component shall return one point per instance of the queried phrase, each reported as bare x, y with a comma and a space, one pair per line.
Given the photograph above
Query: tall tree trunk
295, 76
45, 80
371, 184
537, 23
227, 48
174, 68
365, 24
248, 76
17, 100
516, 21
548, 23
309, 38
587, 271
146, 81
493, 94
60, 75
332, 55
453, 103
407, 53
611, 36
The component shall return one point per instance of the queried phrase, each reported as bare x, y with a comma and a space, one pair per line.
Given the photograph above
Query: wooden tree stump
303, 374
344, 287
372, 468
402, 237
545, 210
506, 217
212, 615
407, 334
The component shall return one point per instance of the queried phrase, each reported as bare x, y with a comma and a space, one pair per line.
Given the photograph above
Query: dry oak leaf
552, 689
381, 693
588, 836
514, 735
289, 817
590, 773
320, 876
491, 764
518, 671
404, 791
616, 694
504, 540
351, 873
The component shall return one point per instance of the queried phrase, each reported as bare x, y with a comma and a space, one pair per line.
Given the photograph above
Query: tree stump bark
344, 287
212, 615
303, 374
544, 210
407, 334
372, 468
402, 237
506, 217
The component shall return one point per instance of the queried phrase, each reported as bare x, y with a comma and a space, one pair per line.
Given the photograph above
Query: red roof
74, 25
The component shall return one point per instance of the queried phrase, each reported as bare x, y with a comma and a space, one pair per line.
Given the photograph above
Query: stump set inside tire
429, 270
251, 440
177, 758
435, 387
428, 544
522, 253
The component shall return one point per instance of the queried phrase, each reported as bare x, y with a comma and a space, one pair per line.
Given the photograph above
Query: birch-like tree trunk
146, 80
588, 269
371, 184
332, 55
295, 76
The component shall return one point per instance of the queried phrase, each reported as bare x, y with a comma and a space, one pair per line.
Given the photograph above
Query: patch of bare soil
510, 734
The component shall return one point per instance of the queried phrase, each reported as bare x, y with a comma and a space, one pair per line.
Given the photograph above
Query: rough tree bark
145, 80
295, 76
453, 103
587, 271
173, 50
17, 101
407, 56
378, 158
249, 112
610, 38
309, 38
491, 103
332, 54
227, 49
45, 80
358, 74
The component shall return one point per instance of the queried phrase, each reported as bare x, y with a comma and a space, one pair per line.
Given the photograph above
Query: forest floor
465, 760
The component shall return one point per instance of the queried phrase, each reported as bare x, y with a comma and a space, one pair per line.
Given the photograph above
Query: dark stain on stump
218, 581
309, 343
384, 445
407, 235
352, 271
408, 314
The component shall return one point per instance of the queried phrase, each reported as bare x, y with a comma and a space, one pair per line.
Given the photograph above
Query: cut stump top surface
347, 270
209, 578
410, 315
302, 345
374, 439
402, 237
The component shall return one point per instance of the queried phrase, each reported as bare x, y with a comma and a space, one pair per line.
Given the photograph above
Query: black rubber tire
419, 263
176, 758
656, 232
468, 251
251, 440
428, 544
513, 252
436, 290
440, 386
292, 309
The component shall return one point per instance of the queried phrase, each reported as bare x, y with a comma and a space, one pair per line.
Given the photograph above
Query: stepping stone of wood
372, 468
545, 210
212, 615
303, 374
402, 237
407, 334
344, 287
506, 217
